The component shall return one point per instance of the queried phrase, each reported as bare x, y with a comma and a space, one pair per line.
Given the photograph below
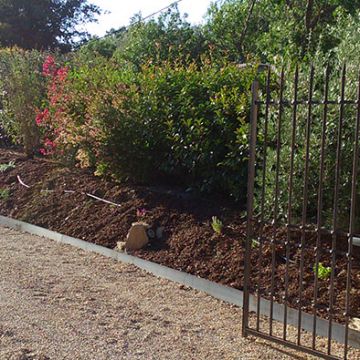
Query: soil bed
189, 243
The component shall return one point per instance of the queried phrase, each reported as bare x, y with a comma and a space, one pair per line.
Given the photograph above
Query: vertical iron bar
276, 202
250, 201
320, 200
352, 219
260, 238
305, 199
290, 187
336, 204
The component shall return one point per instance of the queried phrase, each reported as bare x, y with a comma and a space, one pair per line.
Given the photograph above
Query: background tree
290, 29
44, 24
170, 37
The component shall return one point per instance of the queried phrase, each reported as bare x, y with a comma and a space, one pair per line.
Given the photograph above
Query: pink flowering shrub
49, 66
69, 121
50, 119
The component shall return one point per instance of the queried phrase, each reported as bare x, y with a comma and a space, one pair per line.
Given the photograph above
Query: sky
121, 12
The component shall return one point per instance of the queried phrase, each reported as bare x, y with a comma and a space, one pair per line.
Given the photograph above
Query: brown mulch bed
189, 243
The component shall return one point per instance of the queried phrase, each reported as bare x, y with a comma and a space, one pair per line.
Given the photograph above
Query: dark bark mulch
189, 243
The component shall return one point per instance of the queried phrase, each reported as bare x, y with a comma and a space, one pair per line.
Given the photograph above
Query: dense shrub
331, 141
22, 91
187, 123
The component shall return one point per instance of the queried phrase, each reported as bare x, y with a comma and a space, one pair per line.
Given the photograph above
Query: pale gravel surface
59, 302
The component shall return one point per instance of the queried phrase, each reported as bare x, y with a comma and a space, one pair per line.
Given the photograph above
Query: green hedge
186, 124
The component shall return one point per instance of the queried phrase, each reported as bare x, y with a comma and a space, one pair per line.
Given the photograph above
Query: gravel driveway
58, 302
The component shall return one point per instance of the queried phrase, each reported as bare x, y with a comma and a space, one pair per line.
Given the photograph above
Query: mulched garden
56, 200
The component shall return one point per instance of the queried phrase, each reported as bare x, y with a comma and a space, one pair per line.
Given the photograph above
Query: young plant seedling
6, 167
217, 225
4, 194
323, 271
255, 243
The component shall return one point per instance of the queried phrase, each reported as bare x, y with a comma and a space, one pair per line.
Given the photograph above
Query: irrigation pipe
22, 183
73, 192
103, 200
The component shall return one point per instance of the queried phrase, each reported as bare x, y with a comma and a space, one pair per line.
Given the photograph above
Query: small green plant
4, 194
255, 243
217, 225
6, 167
46, 192
323, 271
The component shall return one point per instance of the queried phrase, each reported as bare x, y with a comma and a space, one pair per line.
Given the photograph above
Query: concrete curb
221, 292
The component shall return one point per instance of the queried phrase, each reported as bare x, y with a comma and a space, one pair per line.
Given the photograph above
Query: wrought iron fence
302, 193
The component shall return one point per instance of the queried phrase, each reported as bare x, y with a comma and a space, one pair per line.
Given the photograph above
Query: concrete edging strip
221, 292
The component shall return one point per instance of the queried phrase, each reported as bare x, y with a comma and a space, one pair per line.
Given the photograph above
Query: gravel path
58, 302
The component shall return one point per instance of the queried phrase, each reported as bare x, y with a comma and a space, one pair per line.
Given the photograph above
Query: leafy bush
186, 123
331, 141
22, 90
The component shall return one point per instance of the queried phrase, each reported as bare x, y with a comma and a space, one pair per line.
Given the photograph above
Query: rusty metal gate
301, 229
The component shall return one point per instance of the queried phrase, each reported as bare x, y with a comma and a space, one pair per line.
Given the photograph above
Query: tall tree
44, 24
293, 29
170, 37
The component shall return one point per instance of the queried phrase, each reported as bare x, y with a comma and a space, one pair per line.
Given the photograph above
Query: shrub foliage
21, 91
184, 123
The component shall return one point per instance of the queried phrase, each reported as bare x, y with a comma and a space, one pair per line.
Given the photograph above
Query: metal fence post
250, 200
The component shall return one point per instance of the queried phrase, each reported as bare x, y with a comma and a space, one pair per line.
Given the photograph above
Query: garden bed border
221, 292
